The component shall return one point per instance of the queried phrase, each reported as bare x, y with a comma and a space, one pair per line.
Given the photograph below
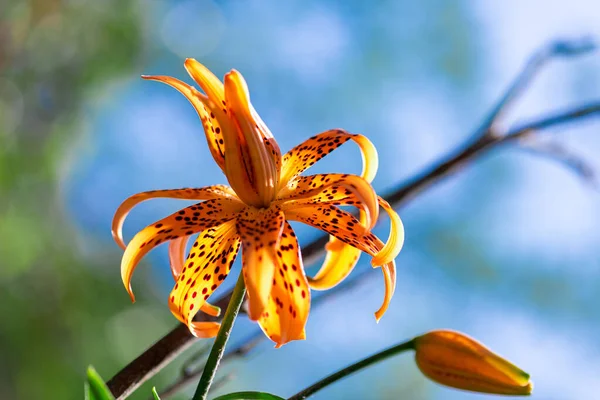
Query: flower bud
456, 360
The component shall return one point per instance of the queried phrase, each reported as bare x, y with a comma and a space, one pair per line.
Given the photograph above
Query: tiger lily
266, 191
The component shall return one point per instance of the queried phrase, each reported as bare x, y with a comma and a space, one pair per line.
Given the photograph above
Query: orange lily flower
266, 191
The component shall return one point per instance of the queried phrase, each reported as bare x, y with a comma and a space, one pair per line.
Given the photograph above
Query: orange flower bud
456, 360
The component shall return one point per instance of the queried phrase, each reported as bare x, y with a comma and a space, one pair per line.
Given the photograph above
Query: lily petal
340, 260
176, 258
177, 254
206, 193
207, 266
285, 315
389, 278
185, 222
258, 127
335, 189
212, 86
306, 154
336, 222
205, 109
395, 240
260, 231
204, 330
261, 156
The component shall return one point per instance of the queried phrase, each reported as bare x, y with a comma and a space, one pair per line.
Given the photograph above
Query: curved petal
206, 267
340, 260
185, 222
206, 193
395, 240
176, 258
205, 109
303, 156
389, 278
334, 189
260, 155
177, 254
212, 86
285, 315
260, 231
336, 222
204, 330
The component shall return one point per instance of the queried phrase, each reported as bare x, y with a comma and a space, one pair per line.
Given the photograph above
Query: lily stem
218, 348
375, 358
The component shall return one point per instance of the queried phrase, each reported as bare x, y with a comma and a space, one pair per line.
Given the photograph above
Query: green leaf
154, 393
95, 388
249, 396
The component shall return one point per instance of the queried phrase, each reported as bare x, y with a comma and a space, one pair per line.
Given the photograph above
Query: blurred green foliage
95, 388
56, 301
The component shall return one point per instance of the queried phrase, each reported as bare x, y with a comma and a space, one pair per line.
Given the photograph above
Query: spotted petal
260, 231
185, 222
176, 258
335, 189
205, 193
336, 222
205, 109
340, 260
306, 154
206, 267
285, 315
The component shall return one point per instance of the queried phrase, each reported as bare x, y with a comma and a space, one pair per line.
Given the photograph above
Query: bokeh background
506, 250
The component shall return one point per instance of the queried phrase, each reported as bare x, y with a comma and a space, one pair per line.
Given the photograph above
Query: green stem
216, 352
392, 351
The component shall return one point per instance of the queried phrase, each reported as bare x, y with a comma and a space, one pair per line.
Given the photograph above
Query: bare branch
558, 152
559, 48
189, 365
486, 138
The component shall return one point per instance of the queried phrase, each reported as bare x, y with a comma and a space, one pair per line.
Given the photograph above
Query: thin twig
558, 152
487, 137
556, 49
189, 364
